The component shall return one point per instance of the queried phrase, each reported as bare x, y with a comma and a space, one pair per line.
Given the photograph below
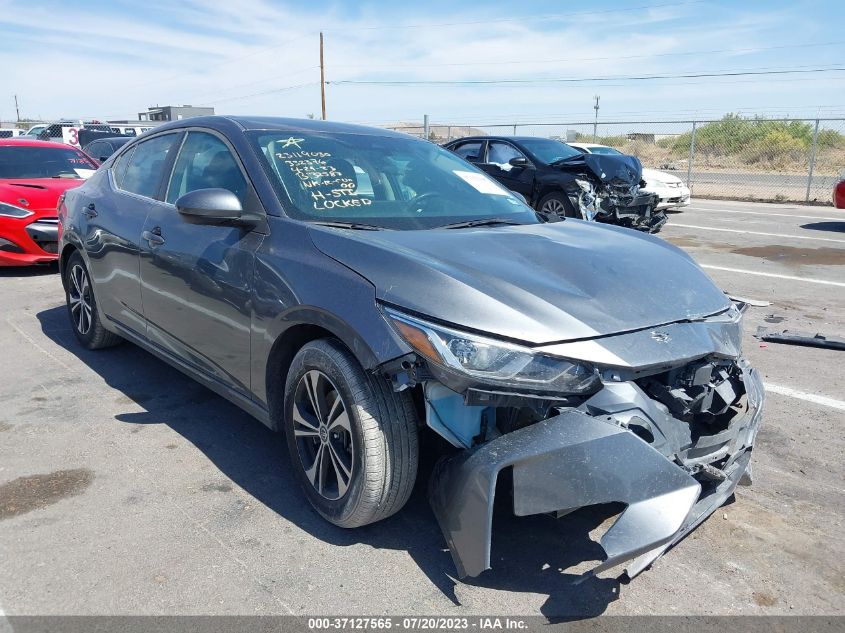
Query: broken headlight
493, 362
587, 200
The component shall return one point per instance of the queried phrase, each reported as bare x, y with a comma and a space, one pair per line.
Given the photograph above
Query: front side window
499, 153
390, 182
22, 161
205, 162
145, 167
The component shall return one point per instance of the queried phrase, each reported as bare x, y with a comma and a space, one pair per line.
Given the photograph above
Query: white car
673, 193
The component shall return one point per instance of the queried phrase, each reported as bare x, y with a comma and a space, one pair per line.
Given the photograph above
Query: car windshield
604, 149
549, 151
21, 161
384, 181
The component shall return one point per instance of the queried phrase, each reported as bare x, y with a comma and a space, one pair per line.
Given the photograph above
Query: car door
196, 279
519, 178
113, 218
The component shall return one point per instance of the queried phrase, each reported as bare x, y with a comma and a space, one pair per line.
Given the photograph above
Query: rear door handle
153, 238
90, 211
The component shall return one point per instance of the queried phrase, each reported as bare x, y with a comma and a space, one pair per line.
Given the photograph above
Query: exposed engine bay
661, 420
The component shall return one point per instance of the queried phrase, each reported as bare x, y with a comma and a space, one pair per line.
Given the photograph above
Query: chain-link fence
738, 158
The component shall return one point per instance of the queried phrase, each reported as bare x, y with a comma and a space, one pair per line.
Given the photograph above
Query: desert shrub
776, 148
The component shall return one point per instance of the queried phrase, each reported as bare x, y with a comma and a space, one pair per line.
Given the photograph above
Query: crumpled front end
609, 191
669, 434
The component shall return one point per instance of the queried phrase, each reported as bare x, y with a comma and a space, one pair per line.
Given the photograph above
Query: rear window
21, 161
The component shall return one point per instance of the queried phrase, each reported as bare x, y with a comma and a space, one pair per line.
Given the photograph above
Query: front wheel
556, 206
82, 307
352, 439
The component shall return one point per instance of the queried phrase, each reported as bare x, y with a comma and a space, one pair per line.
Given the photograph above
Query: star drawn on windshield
293, 141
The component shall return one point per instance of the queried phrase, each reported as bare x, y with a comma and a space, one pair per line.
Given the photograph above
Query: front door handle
153, 237
90, 211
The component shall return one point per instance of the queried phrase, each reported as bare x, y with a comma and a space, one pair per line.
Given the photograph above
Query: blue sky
112, 59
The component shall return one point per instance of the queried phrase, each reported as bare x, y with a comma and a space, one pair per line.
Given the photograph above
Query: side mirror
519, 161
214, 206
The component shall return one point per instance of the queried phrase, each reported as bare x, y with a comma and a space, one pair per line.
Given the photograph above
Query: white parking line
796, 237
5, 626
803, 395
778, 215
776, 276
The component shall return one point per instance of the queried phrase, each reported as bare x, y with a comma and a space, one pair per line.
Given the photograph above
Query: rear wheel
352, 439
82, 307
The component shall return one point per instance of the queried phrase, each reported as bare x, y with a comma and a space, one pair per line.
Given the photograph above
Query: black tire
556, 200
82, 307
378, 444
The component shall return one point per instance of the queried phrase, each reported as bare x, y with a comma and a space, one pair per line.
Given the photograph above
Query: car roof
18, 141
576, 144
504, 138
282, 124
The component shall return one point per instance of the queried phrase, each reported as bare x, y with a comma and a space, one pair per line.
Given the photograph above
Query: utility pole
322, 78
596, 122
17, 110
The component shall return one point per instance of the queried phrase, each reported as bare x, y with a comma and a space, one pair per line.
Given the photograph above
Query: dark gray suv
356, 288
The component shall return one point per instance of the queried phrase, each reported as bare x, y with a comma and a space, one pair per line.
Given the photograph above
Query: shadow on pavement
833, 226
528, 555
28, 271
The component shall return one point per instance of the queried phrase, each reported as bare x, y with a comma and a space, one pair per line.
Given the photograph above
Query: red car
33, 174
839, 193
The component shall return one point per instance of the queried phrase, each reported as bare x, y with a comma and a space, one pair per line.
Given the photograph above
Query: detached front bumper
574, 460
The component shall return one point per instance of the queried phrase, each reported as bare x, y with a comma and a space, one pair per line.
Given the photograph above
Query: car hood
650, 175
36, 194
534, 283
612, 169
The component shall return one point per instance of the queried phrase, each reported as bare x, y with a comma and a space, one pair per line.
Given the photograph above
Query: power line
260, 94
476, 82
593, 59
253, 83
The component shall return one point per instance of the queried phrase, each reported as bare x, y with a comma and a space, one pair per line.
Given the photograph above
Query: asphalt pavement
127, 488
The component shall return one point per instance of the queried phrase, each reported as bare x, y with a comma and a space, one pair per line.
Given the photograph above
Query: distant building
641, 136
173, 113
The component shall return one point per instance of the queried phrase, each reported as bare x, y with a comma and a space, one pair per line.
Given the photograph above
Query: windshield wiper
340, 224
481, 222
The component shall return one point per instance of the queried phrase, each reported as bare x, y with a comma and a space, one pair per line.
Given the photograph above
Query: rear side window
469, 151
144, 168
119, 167
205, 162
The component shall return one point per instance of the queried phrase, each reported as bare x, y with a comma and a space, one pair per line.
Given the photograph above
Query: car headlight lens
491, 361
11, 211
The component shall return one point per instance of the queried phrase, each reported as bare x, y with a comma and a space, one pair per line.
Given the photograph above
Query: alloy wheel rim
323, 434
554, 206
81, 299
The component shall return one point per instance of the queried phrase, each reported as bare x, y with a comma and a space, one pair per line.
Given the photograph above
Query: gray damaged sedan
357, 288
